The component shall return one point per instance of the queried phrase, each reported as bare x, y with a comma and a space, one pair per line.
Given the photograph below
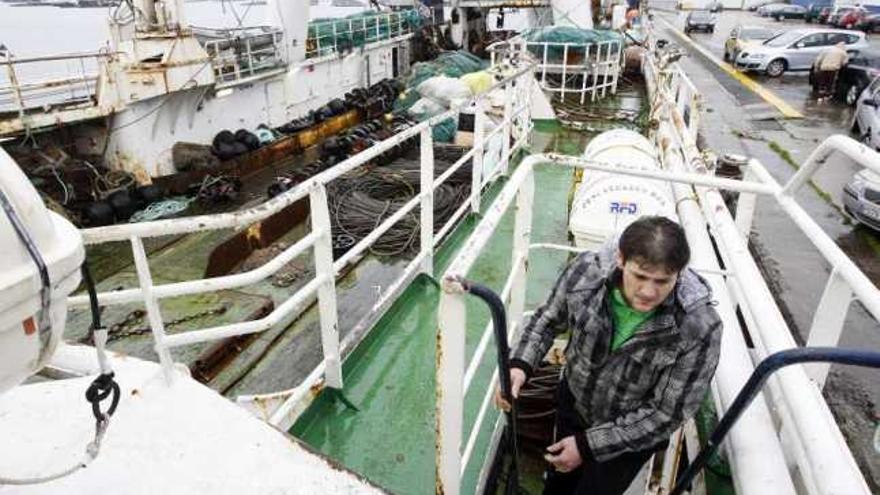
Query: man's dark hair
656, 242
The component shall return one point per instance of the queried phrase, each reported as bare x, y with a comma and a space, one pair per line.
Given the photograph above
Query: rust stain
316, 389
438, 484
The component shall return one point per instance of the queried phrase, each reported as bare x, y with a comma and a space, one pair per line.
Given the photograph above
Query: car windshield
756, 34
784, 39
701, 15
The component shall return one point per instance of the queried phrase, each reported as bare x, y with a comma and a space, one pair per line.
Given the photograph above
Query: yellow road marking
770, 97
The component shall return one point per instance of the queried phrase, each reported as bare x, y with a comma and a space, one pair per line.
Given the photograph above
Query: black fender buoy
98, 214
122, 203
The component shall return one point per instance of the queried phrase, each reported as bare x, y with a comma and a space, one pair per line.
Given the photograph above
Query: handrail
455, 376
771, 364
255, 214
290, 402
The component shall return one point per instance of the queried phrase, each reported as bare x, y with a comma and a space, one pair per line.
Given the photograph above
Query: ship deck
390, 376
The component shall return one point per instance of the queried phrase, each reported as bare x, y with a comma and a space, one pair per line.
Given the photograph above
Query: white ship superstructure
159, 84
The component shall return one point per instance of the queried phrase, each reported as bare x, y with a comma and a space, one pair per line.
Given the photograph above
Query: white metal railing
568, 68
803, 433
245, 54
286, 405
21, 90
825, 453
340, 35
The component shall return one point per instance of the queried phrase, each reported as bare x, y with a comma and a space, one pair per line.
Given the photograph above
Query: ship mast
161, 15
293, 19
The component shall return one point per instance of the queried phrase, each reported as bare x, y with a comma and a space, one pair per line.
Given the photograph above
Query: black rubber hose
766, 368
93, 295
499, 323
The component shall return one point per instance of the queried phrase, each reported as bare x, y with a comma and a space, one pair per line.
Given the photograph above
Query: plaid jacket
635, 397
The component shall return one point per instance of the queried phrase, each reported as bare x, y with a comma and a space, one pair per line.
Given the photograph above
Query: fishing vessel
370, 369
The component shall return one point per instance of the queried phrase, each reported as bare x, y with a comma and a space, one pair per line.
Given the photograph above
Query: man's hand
564, 455
517, 379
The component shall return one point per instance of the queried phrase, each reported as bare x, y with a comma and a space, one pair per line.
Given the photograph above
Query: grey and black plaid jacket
635, 397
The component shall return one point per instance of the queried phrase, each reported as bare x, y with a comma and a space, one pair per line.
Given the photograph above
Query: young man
643, 347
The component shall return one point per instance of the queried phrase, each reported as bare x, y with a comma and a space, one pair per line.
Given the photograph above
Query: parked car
866, 120
814, 10
858, 74
699, 20
849, 19
790, 12
838, 12
760, 3
743, 36
796, 50
824, 14
861, 198
869, 24
770, 9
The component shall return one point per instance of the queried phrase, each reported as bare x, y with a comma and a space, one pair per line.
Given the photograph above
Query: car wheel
776, 67
852, 95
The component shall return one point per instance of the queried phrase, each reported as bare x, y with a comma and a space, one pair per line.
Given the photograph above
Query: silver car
866, 120
796, 50
861, 198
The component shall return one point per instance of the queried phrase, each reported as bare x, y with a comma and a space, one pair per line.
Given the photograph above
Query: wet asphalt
736, 120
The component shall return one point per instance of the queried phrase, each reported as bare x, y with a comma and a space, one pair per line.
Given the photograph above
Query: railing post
564, 71
327, 292
477, 161
154, 315
544, 67
450, 355
508, 118
745, 205
828, 322
522, 239
427, 207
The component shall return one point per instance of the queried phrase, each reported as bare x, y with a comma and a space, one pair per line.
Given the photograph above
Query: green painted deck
390, 376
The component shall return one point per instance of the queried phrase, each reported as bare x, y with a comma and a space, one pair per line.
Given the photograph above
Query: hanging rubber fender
337, 106
123, 205
149, 194
247, 138
223, 145
98, 214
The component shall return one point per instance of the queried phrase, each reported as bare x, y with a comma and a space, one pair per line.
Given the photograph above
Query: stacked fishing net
433, 86
359, 29
576, 39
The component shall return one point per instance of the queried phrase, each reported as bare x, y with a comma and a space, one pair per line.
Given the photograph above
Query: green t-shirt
626, 319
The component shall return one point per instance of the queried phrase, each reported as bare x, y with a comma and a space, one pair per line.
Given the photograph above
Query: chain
118, 331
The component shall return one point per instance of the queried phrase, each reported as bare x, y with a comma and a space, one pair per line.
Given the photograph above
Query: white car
866, 120
861, 198
796, 50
